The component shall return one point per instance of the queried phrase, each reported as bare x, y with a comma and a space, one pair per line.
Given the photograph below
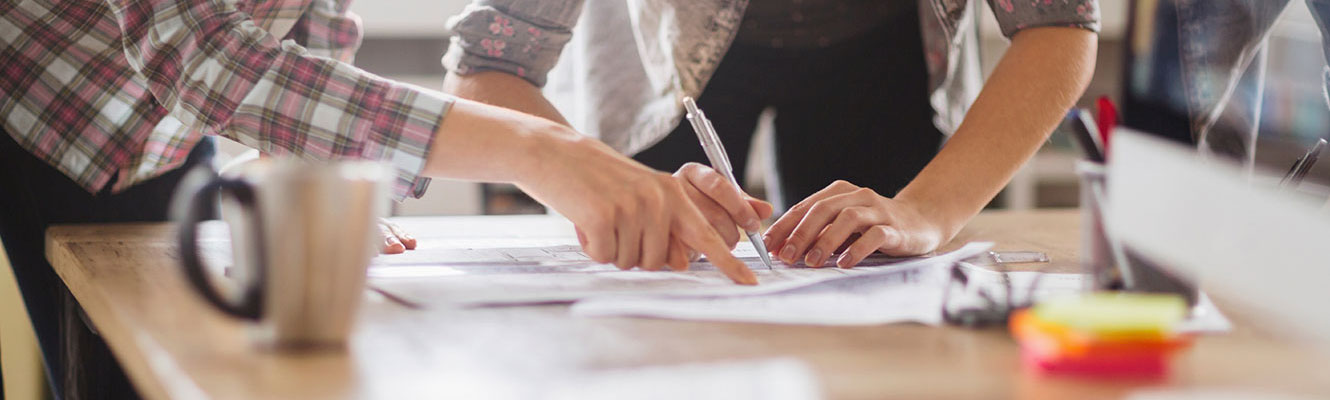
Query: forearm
480, 142
1042, 74
504, 90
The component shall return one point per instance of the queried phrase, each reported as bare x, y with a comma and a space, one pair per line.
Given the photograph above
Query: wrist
544, 150
480, 142
934, 213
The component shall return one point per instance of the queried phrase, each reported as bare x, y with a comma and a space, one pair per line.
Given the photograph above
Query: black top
814, 23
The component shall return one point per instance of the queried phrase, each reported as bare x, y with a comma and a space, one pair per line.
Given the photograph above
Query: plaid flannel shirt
126, 88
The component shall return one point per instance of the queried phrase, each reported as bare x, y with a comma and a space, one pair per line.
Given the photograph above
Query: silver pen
1303, 165
720, 162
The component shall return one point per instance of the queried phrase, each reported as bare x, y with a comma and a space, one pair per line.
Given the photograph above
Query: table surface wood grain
174, 346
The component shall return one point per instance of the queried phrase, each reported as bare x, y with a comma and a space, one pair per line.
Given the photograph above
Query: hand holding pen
716, 191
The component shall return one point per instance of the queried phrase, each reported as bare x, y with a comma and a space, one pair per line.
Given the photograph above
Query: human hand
719, 201
395, 240
625, 212
818, 226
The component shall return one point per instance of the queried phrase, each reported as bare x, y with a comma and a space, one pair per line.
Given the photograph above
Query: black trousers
34, 196
857, 110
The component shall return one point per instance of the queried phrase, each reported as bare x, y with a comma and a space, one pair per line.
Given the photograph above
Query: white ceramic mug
303, 234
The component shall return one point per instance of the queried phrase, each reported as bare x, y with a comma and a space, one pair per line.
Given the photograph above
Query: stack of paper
530, 271
559, 273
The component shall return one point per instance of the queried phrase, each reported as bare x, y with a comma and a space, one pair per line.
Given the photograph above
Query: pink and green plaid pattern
104, 87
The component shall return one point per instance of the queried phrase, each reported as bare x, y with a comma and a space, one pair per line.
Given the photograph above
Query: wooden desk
174, 346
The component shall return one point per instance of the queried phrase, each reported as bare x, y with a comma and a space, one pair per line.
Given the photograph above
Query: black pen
1085, 133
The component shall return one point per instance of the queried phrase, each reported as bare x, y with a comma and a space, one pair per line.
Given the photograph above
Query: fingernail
408, 237
787, 254
844, 261
814, 258
392, 246
752, 225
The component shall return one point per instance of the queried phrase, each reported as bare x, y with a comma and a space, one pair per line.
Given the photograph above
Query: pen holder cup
1096, 253
1105, 270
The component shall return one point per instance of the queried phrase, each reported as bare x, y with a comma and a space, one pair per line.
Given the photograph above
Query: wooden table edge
136, 361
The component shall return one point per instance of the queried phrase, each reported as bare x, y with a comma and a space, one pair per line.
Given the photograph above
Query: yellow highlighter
1116, 316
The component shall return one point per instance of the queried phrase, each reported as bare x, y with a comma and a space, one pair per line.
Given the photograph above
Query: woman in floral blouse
883, 126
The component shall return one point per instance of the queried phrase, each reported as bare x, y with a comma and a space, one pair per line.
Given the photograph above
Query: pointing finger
696, 233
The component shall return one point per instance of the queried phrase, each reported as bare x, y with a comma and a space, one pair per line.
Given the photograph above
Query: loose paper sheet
904, 294
541, 271
910, 294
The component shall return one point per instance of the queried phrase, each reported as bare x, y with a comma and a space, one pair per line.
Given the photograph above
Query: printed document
546, 272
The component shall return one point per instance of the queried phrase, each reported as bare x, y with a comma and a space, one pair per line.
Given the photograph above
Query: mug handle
200, 201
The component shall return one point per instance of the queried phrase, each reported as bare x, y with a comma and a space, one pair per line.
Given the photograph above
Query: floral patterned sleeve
520, 37
1016, 15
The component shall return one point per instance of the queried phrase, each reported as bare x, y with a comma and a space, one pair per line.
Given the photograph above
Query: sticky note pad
1112, 316
1136, 366
1047, 340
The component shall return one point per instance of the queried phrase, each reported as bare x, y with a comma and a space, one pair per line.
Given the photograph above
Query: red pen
1107, 120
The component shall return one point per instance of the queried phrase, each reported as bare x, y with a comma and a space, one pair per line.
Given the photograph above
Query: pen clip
711, 145
721, 157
